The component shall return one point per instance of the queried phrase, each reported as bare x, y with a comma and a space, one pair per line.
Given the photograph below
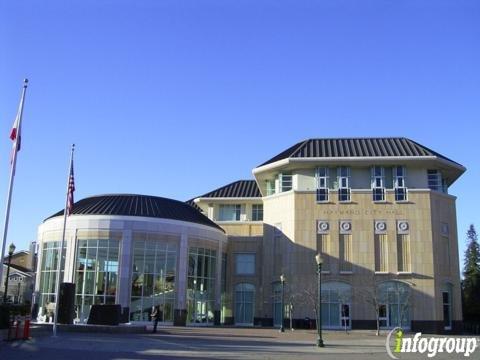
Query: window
244, 304
153, 277
245, 264
285, 182
322, 184
378, 183
49, 270
395, 301
336, 300
403, 252
435, 181
202, 271
270, 187
257, 212
399, 183
381, 253
447, 308
230, 212
345, 252
343, 174
96, 273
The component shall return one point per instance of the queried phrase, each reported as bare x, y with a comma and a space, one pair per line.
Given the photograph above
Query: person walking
155, 315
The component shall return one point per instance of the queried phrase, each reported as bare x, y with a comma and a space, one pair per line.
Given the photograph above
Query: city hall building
376, 209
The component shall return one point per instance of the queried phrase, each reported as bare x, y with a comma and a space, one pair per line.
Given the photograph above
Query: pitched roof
138, 205
236, 189
356, 147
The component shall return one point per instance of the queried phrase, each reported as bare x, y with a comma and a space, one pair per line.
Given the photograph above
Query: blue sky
175, 98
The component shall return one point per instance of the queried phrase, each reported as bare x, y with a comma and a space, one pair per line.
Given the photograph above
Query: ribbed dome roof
138, 205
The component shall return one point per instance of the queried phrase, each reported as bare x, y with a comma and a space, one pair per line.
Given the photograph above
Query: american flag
71, 189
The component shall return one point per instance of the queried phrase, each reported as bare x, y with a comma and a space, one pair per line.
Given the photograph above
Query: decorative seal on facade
322, 227
402, 227
345, 227
380, 227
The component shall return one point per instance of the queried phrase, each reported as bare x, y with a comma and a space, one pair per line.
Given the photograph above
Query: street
203, 343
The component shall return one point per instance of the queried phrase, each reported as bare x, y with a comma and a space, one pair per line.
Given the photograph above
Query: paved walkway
202, 343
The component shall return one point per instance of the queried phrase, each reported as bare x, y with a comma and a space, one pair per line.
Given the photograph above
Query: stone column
180, 313
218, 284
125, 269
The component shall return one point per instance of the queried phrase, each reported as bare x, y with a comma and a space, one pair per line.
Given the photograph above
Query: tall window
378, 183
245, 264
257, 212
49, 270
244, 304
436, 182
403, 252
285, 182
345, 252
336, 300
399, 183
96, 272
396, 301
343, 175
201, 285
229, 212
447, 307
322, 184
153, 277
381, 253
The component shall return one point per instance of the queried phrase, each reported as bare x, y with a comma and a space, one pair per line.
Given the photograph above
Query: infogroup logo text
430, 345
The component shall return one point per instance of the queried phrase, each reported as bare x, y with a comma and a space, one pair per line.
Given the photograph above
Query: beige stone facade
401, 251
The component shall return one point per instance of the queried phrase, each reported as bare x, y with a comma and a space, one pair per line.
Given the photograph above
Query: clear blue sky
175, 98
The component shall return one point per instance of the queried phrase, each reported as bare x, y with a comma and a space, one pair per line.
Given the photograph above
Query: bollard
26, 329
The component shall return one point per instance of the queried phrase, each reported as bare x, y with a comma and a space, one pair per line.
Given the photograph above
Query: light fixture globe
282, 278
318, 259
11, 249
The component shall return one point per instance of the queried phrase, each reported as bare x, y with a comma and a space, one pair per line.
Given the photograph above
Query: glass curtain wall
153, 277
201, 285
96, 271
48, 277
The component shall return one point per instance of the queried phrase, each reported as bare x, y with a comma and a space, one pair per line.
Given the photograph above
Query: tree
372, 295
471, 273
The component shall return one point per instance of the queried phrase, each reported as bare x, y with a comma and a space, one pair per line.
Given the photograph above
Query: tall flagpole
12, 173
60, 261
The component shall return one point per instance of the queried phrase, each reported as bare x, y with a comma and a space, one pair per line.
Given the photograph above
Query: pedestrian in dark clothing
155, 315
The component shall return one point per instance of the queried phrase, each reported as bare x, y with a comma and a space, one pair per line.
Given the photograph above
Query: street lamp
282, 280
11, 250
319, 260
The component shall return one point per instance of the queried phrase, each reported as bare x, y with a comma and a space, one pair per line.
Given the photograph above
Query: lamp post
319, 260
11, 250
194, 301
282, 281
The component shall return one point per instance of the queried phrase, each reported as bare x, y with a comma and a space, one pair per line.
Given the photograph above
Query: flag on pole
71, 189
15, 135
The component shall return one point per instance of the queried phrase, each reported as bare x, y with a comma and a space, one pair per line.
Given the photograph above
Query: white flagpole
60, 261
12, 174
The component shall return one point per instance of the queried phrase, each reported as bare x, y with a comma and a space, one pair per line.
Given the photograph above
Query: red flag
71, 189
15, 134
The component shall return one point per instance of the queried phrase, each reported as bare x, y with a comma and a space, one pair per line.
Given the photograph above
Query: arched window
395, 300
244, 304
336, 305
